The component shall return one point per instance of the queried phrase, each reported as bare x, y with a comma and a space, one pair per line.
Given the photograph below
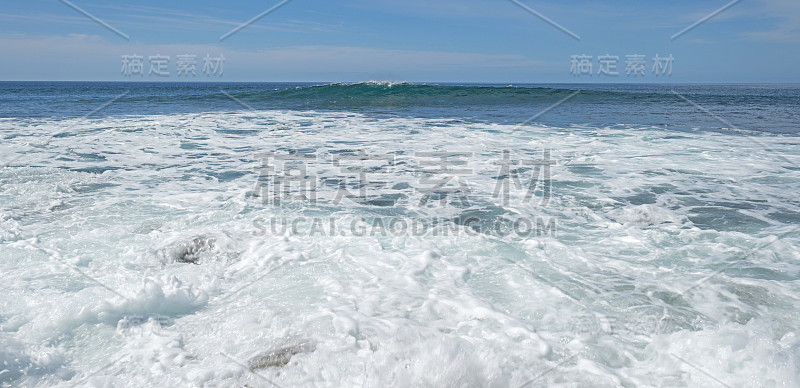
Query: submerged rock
192, 251
278, 357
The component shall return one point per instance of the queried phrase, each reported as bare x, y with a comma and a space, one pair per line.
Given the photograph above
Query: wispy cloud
786, 17
98, 55
149, 16
485, 40
466, 9
44, 18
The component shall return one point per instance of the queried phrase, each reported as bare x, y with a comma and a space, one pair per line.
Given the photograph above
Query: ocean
399, 234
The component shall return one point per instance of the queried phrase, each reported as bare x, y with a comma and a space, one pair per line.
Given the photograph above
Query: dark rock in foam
278, 357
192, 251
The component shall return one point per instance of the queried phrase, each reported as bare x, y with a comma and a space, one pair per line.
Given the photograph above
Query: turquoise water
766, 108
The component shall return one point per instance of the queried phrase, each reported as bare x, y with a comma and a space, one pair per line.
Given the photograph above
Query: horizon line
408, 82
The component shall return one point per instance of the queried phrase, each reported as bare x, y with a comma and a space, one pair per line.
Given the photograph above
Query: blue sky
404, 40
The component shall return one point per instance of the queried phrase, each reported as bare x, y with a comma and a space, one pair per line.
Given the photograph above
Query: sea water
382, 234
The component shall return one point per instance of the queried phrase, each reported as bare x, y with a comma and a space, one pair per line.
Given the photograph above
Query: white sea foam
93, 292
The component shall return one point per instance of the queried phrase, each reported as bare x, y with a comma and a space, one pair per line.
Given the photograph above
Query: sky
491, 41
